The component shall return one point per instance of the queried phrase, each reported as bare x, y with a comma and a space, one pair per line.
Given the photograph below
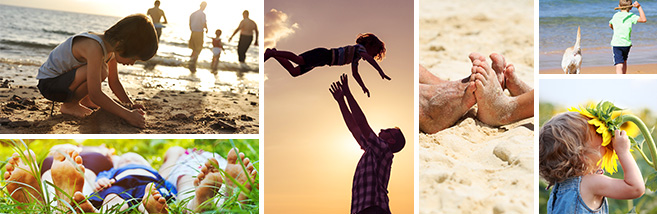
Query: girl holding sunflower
575, 149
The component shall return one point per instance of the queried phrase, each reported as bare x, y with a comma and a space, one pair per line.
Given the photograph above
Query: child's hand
136, 118
636, 4
336, 90
385, 77
103, 183
138, 106
621, 142
366, 91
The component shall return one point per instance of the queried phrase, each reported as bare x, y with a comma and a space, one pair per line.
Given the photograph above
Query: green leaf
651, 181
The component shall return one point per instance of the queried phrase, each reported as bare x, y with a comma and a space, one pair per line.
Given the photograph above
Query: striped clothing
347, 54
370, 185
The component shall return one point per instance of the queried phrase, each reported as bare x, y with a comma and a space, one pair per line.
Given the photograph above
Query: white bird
572, 57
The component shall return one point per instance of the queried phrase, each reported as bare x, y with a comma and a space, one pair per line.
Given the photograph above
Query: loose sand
23, 110
472, 167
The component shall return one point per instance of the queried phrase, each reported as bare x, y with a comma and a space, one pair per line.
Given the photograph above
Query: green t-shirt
622, 23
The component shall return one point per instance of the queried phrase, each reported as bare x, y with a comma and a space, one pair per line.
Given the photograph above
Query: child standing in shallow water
569, 153
367, 47
75, 69
217, 47
622, 23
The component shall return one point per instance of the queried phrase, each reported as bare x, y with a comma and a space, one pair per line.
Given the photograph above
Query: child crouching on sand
621, 23
74, 70
569, 160
367, 46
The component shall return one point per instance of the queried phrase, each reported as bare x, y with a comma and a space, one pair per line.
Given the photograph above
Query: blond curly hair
563, 152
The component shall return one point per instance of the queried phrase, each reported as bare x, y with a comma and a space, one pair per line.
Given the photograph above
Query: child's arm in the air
359, 80
376, 66
630, 187
642, 15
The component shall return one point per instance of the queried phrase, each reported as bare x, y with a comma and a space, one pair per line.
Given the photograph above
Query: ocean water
27, 35
558, 21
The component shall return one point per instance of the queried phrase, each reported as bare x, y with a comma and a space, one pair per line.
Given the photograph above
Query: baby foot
84, 206
494, 108
21, 183
513, 83
235, 170
153, 200
75, 109
67, 174
497, 65
207, 185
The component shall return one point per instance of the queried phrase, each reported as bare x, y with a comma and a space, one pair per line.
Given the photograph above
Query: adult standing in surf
246, 28
156, 14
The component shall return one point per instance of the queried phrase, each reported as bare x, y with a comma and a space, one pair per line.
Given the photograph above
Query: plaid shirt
370, 186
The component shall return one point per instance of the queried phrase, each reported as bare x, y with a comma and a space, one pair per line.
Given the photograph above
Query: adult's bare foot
153, 200
426, 77
22, 184
494, 107
235, 170
67, 175
75, 109
441, 105
207, 185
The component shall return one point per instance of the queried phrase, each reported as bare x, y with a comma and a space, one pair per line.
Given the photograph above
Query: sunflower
603, 117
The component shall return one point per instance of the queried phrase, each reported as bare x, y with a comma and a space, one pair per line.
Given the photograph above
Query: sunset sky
310, 156
220, 14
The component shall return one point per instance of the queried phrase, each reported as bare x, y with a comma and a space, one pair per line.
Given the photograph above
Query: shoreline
631, 69
23, 110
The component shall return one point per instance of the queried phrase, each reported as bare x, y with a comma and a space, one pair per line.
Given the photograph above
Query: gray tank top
61, 59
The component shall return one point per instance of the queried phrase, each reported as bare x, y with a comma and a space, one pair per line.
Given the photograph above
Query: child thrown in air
368, 47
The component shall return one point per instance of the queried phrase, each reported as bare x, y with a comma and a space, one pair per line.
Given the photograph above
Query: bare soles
21, 181
153, 201
67, 175
235, 170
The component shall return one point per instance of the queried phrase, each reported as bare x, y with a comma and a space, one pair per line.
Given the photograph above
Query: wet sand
631, 69
23, 110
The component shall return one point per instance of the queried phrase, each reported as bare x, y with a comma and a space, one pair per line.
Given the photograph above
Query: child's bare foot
494, 108
86, 102
511, 81
235, 170
21, 183
83, 205
67, 174
207, 185
498, 64
75, 109
153, 200
269, 53
441, 105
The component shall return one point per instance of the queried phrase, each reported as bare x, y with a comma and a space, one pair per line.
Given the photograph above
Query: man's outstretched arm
356, 112
338, 95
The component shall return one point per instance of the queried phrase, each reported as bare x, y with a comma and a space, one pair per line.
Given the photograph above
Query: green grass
153, 151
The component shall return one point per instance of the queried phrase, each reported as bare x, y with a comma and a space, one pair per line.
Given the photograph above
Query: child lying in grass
131, 183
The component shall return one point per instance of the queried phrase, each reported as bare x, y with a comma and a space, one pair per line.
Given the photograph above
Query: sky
632, 94
310, 156
220, 14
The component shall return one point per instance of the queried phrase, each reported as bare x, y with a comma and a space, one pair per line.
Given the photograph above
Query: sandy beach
631, 69
23, 110
472, 167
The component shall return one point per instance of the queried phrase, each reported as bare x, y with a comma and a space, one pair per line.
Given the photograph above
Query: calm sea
558, 21
27, 35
